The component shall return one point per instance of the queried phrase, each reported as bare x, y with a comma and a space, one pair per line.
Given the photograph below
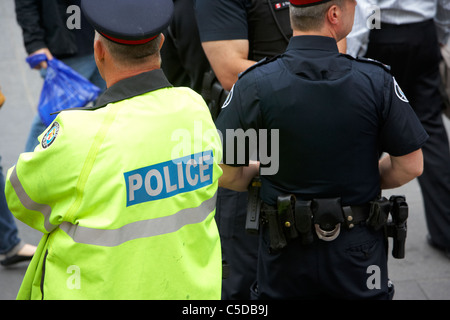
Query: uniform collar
313, 43
133, 86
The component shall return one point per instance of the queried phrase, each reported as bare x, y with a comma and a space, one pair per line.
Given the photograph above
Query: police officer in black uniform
235, 34
322, 232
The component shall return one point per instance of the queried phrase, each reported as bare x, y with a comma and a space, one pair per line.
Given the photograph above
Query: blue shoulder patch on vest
167, 179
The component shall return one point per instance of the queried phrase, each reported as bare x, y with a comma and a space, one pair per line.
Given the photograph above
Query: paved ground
423, 275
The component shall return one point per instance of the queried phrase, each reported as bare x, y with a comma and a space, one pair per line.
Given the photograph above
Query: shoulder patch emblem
229, 98
50, 135
398, 91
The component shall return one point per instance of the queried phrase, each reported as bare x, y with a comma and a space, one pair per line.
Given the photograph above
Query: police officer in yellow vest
125, 191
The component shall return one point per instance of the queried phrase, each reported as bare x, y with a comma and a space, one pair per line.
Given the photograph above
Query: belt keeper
286, 208
303, 220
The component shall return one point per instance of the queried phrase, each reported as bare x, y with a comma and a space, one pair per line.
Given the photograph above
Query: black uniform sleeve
402, 132
183, 58
27, 14
239, 122
221, 19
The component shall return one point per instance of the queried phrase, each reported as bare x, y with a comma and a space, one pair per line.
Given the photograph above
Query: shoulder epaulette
258, 64
372, 61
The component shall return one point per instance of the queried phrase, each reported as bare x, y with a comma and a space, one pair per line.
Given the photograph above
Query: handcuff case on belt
328, 218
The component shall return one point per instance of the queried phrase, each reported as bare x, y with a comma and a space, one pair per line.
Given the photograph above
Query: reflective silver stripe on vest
140, 229
29, 203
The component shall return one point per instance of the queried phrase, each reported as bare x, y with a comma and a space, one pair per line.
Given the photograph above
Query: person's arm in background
228, 58
238, 178
28, 18
223, 32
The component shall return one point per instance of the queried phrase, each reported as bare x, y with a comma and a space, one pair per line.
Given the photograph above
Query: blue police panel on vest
169, 178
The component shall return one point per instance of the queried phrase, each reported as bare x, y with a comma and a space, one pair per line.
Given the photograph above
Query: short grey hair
131, 55
312, 17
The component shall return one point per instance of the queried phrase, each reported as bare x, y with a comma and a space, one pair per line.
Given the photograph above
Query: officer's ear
161, 41
334, 14
99, 49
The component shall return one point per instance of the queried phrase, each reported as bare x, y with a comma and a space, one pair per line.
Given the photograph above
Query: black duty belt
294, 218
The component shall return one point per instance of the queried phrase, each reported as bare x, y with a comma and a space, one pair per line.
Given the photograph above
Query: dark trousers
413, 53
239, 249
353, 266
9, 238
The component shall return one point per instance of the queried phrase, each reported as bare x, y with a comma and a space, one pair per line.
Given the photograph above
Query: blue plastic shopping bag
63, 88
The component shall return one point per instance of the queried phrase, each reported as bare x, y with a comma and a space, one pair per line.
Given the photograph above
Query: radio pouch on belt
303, 220
276, 234
328, 217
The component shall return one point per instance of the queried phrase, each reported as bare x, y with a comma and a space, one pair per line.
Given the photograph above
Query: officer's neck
324, 32
116, 74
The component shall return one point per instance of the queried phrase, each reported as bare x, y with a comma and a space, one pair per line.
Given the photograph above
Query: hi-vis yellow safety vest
125, 195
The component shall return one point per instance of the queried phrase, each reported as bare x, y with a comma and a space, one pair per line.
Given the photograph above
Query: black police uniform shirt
335, 115
265, 23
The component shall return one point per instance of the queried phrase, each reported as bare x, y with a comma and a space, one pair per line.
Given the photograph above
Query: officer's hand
43, 64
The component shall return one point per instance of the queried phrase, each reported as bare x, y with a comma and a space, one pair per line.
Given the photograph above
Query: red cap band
307, 3
129, 42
